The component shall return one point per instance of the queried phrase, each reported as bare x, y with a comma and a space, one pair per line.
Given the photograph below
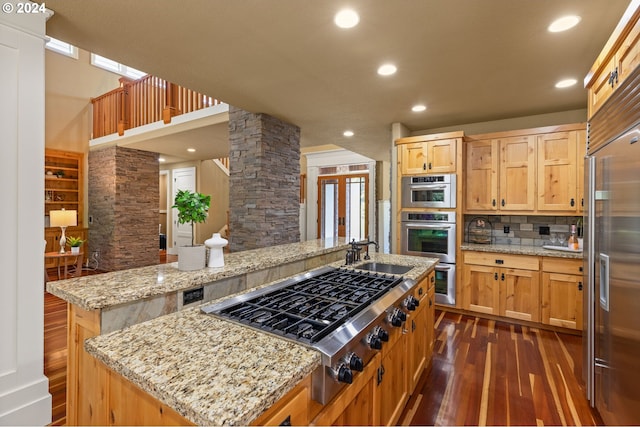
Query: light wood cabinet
502, 285
527, 171
392, 376
431, 317
500, 175
418, 331
620, 56
292, 409
562, 292
427, 155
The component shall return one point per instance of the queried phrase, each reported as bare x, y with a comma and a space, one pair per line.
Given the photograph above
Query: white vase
216, 254
191, 257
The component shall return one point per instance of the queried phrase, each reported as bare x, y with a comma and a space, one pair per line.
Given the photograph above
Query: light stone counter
520, 250
211, 371
121, 287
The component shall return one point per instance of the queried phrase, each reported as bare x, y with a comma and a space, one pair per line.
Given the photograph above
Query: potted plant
192, 208
75, 243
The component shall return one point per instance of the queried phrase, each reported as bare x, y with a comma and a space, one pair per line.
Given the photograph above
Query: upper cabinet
620, 56
528, 171
428, 154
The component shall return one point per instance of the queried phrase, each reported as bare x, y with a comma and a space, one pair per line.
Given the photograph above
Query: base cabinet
562, 284
512, 290
392, 377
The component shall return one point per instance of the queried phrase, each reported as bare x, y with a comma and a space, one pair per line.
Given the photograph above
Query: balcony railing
141, 102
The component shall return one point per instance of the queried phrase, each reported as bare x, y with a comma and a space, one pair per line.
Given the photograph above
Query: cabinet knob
495, 276
493, 203
503, 203
502, 277
430, 166
579, 286
424, 166
573, 202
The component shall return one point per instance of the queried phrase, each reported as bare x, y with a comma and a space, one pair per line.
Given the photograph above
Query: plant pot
192, 257
75, 250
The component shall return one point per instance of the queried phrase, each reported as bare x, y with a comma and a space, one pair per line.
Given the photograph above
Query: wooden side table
63, 260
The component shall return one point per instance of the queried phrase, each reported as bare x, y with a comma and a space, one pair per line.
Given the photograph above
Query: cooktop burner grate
310, 309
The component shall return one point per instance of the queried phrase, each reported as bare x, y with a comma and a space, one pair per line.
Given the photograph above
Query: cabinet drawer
492, 259
293, 408
562, 265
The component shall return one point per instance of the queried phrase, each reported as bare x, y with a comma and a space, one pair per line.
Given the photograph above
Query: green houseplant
193, 208
75, 243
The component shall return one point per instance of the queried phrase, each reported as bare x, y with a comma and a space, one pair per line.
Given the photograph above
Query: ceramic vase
215, 245
191, 257
75, 249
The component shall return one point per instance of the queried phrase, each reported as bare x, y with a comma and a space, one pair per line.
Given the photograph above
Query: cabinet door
480, 289
520, 294
393, 382
481, 182
557, 171
430, 320
413, 158
417, 352
441, 156
562, 300
517, 174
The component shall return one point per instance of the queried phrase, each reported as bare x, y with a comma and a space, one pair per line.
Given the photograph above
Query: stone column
124, 194
264, 181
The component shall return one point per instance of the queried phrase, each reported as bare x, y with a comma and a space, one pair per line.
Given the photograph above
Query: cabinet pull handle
420, 291
581, 269
430, 302
380, 373
413, 325
495, 276
582, 202
573, 202
502, 202
424, 166
286, 421
579, 286
502, 277
493, 203
500, 261
429, 165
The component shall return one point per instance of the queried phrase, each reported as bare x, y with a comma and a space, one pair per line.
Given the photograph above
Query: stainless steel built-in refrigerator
612, 302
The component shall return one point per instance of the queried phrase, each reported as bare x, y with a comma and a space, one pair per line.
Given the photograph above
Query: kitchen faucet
353, 254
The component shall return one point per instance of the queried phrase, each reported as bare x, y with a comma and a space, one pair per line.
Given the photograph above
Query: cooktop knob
395, 319
374, 342
355, 362
410, 303
401, 314
344, 374
382, 334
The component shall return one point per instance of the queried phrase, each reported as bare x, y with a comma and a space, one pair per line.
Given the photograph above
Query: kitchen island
201, 369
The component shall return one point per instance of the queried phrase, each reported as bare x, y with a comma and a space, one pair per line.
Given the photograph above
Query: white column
24, 395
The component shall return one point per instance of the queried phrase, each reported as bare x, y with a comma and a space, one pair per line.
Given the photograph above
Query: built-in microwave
429, 191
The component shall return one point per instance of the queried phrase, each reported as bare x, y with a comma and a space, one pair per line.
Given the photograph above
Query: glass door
342, 206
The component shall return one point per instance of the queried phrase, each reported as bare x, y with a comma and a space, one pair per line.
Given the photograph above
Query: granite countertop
215, 372
520, 250
120, 287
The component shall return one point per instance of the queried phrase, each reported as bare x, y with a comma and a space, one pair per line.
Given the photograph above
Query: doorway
343, 202
183, 179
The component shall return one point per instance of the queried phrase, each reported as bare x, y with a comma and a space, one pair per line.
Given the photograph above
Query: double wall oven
429, 227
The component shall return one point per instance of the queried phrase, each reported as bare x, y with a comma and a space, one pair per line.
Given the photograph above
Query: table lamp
63, 219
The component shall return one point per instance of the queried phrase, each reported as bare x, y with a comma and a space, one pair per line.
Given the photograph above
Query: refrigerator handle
604, 282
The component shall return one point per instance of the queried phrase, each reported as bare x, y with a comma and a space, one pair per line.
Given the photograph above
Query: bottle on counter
573, 239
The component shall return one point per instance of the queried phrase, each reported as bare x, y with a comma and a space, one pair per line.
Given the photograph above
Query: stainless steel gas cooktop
345, 314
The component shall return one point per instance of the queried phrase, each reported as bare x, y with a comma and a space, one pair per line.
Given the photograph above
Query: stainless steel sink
380, 267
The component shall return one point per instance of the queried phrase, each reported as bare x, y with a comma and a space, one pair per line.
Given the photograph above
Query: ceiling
467, 61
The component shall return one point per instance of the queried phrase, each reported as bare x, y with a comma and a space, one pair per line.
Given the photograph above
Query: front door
342, 206
183, 179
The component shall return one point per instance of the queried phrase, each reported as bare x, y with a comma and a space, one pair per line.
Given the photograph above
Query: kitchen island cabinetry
428, 154
562, 294
502, 285
392, 377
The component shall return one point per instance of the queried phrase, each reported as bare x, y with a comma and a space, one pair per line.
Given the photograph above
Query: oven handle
431, 227
443, 268
428, 187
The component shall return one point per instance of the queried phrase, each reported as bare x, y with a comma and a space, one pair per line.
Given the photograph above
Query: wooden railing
143, 101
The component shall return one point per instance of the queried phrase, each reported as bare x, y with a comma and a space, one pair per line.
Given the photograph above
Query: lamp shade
63, 218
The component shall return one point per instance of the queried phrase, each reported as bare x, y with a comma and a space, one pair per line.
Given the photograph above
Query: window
62, 47
116, 67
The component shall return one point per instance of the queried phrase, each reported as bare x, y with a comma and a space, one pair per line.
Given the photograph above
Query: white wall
24, 396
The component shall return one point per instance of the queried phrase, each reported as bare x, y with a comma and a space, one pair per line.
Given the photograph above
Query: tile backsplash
525, 229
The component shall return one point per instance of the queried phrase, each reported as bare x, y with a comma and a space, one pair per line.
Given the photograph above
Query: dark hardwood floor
55, 345
488, 372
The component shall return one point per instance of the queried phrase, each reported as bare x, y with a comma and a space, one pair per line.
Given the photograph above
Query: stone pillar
124, 197
264, 181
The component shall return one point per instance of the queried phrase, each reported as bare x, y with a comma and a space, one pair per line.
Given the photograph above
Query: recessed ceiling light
346, 18
162, 159
564, 23
418, 108
566, 83
387, 69
191, 150
348, 133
